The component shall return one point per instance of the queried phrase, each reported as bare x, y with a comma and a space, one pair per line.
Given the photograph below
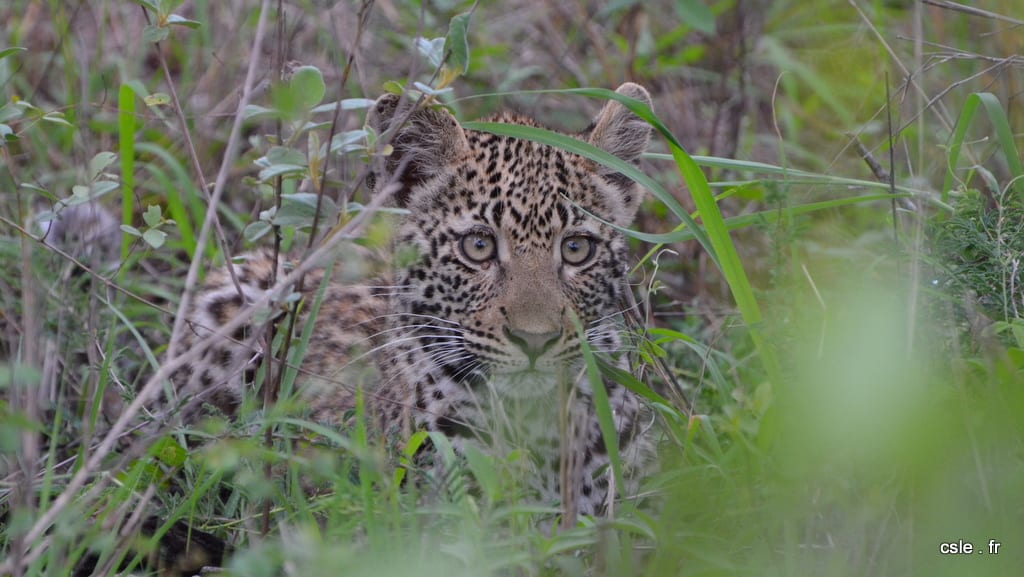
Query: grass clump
979, 249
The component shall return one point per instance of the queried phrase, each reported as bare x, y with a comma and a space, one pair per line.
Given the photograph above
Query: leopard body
477, 338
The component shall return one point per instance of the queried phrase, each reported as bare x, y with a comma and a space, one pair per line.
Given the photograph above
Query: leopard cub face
511, 244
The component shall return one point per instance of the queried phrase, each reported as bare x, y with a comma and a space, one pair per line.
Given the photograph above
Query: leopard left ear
423, 147
620, 132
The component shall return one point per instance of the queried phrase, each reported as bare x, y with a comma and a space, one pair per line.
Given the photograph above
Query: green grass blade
682, 234
1004, 135
728, 260
126, 150
601, 405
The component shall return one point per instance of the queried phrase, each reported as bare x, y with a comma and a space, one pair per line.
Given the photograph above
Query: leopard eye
577, 249
478, 246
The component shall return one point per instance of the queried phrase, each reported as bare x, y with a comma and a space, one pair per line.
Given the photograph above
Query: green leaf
153, 33
430, 91
1004, 135
252, 111
153, 215
12, 50
154, 237
307, 86
432, 49
256, 230
696, 15
129, 229
394, 87
6, 132
281, 170
36, 189
82, 193
484, 471
57, 118
284, 155
346, 104
349, 141
168, 452
175, 20
280, 161
299, 209
99, 163
157, 99
9, 112
102, 187
456, 43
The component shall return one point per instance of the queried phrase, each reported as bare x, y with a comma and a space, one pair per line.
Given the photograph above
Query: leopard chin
526, 384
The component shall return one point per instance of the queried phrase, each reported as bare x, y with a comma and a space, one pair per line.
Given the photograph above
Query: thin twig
973, 11
939, 108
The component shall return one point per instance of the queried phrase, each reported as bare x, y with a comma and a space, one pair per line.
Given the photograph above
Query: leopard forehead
527, 192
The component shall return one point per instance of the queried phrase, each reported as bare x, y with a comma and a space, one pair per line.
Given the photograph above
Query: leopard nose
533, 344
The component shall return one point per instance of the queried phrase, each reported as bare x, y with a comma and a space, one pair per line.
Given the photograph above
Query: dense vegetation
831, 285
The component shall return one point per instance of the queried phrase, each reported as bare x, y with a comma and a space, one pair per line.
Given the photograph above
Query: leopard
520, 270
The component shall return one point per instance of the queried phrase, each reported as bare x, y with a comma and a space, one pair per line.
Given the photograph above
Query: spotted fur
475, 339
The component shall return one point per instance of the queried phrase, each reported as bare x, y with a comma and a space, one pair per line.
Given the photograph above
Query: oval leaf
157, 99
456, 44
57, 118
154, 238
256, 230
153, 33
128, 229
307, 86
152, 216
432, 49
298, 210
180, 21
696, 14
99, 163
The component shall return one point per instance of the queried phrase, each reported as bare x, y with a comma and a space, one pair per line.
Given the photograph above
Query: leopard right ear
422, 147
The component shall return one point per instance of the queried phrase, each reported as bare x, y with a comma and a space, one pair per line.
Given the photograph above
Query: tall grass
840, 417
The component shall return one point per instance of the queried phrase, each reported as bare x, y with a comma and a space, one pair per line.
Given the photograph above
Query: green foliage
154, 219
978, 248
814, 416
1004, 137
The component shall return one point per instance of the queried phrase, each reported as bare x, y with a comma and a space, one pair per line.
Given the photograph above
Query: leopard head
508, 248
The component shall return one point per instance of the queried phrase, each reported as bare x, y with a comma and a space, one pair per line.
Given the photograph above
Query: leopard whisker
419, 315
396, 342
414, 327
619, 312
